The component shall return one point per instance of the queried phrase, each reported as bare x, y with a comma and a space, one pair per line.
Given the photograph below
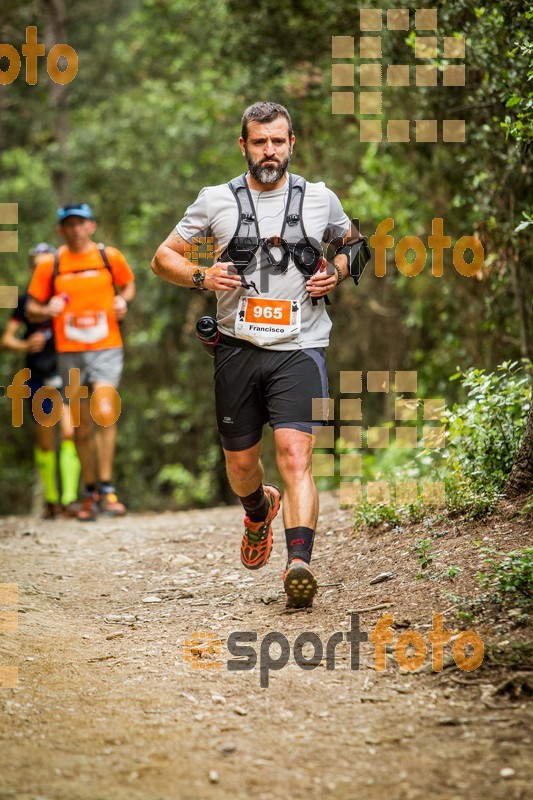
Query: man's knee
241, 463
294, 458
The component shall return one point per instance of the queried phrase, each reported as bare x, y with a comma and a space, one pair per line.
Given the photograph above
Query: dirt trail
107, 707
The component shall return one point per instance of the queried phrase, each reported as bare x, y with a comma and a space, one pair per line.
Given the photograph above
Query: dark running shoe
71, 510
51, 510
300, 584
89, 507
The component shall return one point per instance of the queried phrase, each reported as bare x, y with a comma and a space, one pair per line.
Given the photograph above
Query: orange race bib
267, 320
88, 327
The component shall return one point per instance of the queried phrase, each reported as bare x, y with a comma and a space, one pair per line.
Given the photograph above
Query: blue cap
78, 210
42, 247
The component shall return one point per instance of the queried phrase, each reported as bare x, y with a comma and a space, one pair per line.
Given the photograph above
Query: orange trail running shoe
256, 543
110, 505
300, 584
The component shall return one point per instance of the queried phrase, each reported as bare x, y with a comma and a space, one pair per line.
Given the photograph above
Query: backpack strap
242, 247
305, 253
107, 265
294, 208
55, 272
103, 255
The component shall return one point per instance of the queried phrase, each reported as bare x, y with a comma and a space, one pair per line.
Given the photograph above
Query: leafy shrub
485, 431
451, 572
483, 435
373, 514
509, 578
424, 553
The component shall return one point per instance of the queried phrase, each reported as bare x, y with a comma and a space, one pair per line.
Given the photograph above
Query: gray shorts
95, 366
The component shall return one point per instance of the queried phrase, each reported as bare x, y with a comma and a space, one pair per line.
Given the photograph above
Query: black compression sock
299, 543
256, 505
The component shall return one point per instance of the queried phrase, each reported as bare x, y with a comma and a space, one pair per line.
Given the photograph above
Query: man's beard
267, 174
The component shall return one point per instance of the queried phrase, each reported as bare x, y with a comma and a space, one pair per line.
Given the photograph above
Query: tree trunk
55, 33
521, 477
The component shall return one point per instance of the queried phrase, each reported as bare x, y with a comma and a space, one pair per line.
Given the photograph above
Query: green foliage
450, 573
509, 578
484, 434
374, 514
153, 115
463, 499
527, 508
507, 584
424, 553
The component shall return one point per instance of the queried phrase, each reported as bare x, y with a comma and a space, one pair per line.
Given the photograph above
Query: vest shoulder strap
246, 215
294, 208
103, 256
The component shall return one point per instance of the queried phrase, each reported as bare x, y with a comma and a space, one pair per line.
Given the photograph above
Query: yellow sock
69, 469
45, 461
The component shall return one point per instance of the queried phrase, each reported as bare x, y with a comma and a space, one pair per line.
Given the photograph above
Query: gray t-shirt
214, 213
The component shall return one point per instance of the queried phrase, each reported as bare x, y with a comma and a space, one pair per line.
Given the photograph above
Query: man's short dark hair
264, 112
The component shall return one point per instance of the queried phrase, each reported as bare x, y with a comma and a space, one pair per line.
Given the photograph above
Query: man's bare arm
124, 295
40, 312
170, 264
127, 291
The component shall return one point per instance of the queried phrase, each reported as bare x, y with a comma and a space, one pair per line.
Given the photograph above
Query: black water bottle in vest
208, 334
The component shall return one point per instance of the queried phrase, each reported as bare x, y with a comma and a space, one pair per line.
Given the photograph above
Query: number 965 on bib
266, 320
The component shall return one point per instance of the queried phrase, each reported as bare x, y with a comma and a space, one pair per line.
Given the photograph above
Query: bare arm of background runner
170, 263
124, 293
37, 311
33, 344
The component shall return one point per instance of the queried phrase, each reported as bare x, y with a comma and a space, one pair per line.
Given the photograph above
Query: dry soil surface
108, 707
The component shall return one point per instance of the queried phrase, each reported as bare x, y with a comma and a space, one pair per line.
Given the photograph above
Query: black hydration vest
293, 240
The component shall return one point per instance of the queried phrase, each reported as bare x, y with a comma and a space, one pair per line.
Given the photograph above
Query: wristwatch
198, 278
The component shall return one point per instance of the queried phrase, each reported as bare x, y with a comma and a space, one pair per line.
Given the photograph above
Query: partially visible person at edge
270, 355
37, 342
86, 290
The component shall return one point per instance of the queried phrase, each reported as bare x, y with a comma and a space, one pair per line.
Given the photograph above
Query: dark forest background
154, 114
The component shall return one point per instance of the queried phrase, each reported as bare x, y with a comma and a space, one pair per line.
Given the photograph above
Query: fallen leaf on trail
383, 576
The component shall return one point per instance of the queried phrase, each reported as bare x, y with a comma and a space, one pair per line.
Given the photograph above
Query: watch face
198, 278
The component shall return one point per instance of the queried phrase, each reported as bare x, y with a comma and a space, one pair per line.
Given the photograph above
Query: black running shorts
254, 385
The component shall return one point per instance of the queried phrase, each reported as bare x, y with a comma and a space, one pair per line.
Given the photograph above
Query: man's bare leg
84, 445
105, 440
294, 452
261, 504
244, 468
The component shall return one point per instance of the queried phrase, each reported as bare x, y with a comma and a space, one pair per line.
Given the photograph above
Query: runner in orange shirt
86, 289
